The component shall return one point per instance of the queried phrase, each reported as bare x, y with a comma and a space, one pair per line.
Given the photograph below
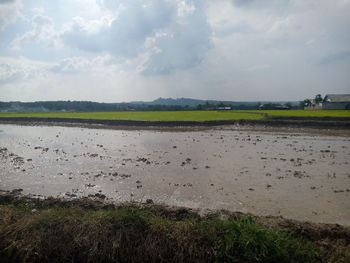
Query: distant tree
289, 105
318, 99
304, 103
257, 106
221, 104
199, 107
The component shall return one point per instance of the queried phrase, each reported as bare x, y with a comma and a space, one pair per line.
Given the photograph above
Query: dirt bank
309, 122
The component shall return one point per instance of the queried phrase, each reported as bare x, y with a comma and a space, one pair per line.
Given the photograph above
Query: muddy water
299, 176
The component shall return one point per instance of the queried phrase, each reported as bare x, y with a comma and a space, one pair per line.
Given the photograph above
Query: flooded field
299, 176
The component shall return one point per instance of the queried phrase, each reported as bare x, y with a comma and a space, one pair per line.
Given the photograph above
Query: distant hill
158, 104
196, 102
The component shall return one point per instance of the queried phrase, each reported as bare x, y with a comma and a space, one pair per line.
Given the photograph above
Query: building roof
337, 98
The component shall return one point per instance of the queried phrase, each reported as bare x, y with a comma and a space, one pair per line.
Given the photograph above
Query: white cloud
259, 67
43, 32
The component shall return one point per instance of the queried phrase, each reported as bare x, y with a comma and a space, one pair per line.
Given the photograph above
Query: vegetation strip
83, 230
182, 115
143, 116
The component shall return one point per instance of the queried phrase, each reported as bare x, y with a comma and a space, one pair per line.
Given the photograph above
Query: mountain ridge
195, 102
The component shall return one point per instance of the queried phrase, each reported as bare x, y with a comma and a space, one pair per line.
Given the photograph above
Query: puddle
299, 176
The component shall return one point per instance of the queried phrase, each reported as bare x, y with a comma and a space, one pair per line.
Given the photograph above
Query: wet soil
276, 121
295, 175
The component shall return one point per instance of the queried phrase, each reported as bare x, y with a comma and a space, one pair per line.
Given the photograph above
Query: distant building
273, 107
336, 102
313, 105
224, 108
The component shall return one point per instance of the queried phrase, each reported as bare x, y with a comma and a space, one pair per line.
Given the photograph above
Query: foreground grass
130, 234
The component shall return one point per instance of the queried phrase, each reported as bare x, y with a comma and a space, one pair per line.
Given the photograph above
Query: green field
144, 115
180, 115
307, 113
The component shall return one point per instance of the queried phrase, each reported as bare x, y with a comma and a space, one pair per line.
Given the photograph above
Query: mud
302, 122
294, 175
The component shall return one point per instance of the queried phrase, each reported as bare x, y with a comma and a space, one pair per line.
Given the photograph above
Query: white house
336, 102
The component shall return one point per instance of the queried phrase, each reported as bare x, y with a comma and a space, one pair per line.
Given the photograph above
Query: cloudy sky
124, 50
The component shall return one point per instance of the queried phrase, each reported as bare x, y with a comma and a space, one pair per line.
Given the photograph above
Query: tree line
83, 106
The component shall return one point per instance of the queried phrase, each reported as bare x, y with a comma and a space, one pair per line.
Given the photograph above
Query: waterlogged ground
299, 176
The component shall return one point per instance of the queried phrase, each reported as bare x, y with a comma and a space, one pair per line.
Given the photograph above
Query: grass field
180, 115
307, 113
144, 115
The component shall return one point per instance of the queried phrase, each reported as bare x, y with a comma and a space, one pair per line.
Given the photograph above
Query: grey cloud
242, 2
183, 43
9, 12
135, 24
11, 73
279, 57
70, 66
41, 20
43, 31
261, 4
334, 58
240, 28
184, 49
126, 35
6, 1
76, 37
74, 65
109, 4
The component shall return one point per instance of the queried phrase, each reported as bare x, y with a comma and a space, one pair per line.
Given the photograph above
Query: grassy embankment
180, 115
144, 234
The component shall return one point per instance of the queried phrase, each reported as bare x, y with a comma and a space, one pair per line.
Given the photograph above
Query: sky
128, 50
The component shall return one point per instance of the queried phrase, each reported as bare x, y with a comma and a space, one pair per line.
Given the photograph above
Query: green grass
307, 113
144, 115
131, 234
181, 115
